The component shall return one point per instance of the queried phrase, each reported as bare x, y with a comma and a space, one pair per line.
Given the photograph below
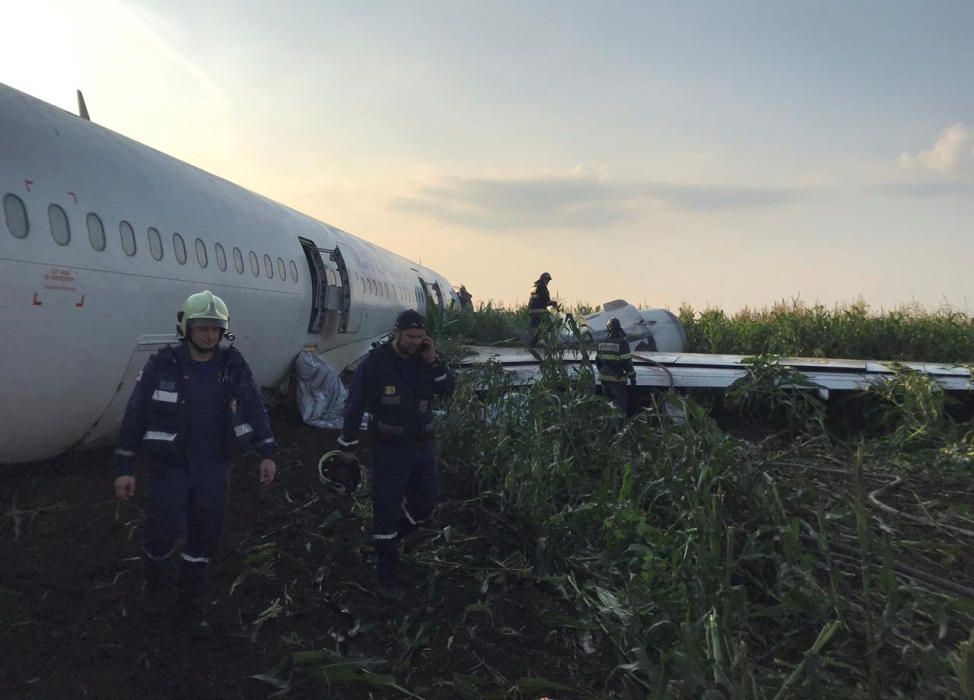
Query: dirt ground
291, 596
294, 573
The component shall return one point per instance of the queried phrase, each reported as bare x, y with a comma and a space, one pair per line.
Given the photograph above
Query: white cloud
952, 154
583, 197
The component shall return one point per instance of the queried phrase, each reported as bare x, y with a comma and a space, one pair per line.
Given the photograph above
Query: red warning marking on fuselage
82, 302
37, 302
28, 183
74, 197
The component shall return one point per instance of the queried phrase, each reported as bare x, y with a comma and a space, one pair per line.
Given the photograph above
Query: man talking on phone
397, 383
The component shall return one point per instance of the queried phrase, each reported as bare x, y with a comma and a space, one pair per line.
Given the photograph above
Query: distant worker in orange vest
538, 305
614, 362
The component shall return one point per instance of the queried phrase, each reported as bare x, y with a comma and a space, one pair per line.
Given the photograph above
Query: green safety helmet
344, 478
203, 305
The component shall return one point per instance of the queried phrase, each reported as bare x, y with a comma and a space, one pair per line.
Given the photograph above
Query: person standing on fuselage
466, 299
538, 304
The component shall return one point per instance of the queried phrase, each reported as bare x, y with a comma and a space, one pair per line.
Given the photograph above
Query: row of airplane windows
384, 289
15, 213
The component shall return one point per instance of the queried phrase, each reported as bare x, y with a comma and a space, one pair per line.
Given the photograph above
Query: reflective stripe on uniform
242, 429
347, 443
393, 536
161, 557
268, 441
195, 560
440, 378
124, 453
157, 435
406, 513
165, 396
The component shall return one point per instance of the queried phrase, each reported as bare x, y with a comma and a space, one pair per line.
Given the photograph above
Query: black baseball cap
410, 319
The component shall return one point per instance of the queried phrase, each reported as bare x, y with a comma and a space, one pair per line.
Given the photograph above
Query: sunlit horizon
706, 155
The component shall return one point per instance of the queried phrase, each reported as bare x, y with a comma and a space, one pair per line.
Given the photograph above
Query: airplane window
281, 270
268, 266
294, 272
16, 215
96, 231
60, 229
254, 264
221, 256
201, 253
155, 243
238, 259
128, 237
179, 247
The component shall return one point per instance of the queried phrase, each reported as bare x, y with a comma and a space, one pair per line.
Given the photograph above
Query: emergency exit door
332, 310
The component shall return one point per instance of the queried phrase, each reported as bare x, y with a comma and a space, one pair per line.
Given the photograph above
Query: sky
719, 154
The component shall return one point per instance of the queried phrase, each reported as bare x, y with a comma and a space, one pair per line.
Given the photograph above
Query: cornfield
907, 334
787, 559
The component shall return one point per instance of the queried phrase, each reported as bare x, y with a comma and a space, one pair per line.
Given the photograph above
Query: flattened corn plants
712, 566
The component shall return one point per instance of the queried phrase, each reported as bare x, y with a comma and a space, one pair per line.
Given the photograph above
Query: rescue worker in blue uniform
538, 304
192, 407
397, 383
614, 362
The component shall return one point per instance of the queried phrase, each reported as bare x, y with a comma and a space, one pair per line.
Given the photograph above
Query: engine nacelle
640, 325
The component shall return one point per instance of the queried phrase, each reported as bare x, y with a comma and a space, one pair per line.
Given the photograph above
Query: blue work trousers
186, 500
617, 393
404, 489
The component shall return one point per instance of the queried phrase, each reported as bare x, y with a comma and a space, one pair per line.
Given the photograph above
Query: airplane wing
702, 371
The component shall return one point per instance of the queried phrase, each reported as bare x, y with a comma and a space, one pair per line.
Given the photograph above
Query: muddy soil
294, 574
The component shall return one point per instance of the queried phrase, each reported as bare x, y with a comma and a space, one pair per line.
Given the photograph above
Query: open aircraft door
425, 299
332, 310
105, 427
439, 294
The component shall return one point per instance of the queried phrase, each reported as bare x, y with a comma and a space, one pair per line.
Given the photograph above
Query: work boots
155, 598
386, 556
189, 605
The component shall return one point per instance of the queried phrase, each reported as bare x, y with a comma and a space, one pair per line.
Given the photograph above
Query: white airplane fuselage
102, 238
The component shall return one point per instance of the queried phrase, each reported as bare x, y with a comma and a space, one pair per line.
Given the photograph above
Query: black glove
632, 381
